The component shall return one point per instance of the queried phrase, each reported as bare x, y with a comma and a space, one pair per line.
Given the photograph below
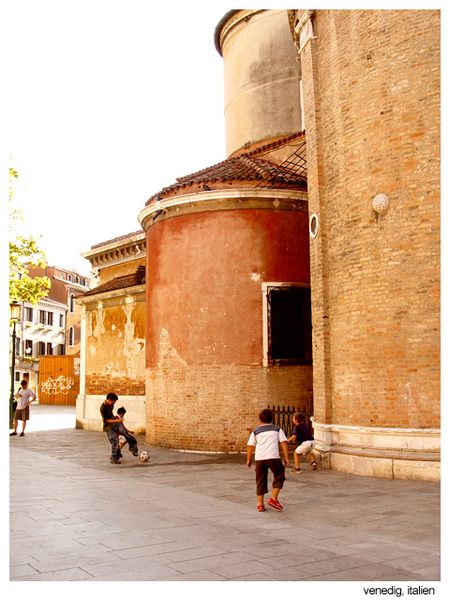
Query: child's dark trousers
262, 470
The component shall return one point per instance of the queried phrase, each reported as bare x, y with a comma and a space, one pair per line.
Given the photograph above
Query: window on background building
41, 348
83, 281
49, 318
17, 348
42, 317
28, 314
72, 303
61, 320
71, 336
49, 349
28, 348
288, 335
17, 377
60, 349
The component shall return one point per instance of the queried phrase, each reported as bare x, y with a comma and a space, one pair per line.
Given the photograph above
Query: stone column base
390, 452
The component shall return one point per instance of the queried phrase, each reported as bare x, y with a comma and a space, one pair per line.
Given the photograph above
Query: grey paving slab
192, 517
22, 570
197, 576
239, 570
254, 577
367, 573
63, 575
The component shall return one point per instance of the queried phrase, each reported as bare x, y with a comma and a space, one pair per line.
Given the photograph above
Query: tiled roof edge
116, 239
269, 146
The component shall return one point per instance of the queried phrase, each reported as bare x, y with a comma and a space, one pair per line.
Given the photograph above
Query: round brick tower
370, 82
215, 258
228, 259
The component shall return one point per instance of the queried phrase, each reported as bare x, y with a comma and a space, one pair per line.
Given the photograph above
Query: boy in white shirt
24, 398
266, 439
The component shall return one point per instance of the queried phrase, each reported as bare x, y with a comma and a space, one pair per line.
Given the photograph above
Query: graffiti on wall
57, 385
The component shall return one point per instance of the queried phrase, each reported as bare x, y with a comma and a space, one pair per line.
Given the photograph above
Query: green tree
23, 252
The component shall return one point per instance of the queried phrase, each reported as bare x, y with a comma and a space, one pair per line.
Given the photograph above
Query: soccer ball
144, 456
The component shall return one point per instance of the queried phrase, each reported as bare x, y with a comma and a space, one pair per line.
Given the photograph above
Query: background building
304, 268
113, 331
44, 329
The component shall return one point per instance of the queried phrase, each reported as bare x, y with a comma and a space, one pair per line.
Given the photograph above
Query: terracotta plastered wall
371, 81
205, 383
115, 347
204, 280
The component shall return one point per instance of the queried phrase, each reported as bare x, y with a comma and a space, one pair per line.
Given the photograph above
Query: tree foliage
23, 252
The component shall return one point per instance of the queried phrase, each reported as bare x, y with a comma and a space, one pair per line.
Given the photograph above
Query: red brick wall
98, 384
371, 81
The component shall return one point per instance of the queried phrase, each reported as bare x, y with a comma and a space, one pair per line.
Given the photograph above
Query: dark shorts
22, 414
262, 470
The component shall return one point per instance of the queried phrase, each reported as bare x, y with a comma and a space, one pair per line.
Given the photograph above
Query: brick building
304, 268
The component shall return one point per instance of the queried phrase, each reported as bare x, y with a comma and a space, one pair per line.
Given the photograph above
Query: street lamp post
15, 317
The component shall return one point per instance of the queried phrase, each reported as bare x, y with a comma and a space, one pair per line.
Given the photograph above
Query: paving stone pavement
190, 516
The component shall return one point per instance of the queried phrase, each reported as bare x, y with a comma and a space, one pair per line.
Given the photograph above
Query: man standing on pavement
113, 426
24, 398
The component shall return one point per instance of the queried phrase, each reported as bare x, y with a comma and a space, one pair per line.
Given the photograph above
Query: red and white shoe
275, 504
261, 508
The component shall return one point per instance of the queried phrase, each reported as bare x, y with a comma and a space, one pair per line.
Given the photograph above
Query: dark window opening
289, 325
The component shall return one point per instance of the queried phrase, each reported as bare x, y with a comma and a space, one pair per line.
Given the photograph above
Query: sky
109, 102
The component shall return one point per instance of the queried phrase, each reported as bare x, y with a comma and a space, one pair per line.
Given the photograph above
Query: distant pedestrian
24, 398
305, 440
113, 427
266, 439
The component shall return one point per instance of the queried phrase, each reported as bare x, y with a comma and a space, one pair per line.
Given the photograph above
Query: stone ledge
387, 453
387, 468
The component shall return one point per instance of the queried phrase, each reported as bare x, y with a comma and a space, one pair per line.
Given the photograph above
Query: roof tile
238, 168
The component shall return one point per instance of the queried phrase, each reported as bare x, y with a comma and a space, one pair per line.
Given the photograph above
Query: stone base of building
389, 452
88, 412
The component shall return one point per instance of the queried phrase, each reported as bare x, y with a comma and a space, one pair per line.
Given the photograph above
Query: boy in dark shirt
303, 437
113, 427
122, 440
